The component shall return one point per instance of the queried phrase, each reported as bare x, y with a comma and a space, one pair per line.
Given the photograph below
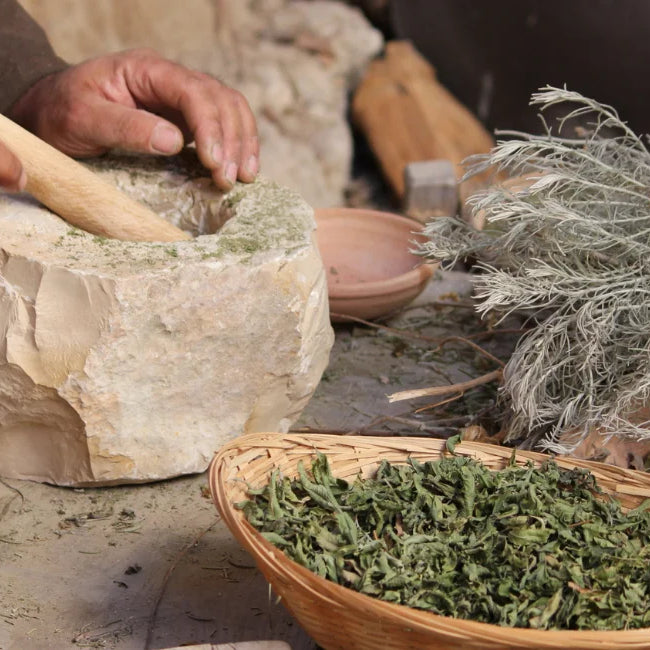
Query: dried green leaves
521, 547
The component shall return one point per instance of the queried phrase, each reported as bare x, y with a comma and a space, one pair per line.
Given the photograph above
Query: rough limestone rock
296, 63
126, 362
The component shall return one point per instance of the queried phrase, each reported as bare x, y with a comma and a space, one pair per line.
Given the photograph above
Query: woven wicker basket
342, 619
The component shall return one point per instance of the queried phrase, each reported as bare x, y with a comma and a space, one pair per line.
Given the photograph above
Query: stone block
430, 189
126, 361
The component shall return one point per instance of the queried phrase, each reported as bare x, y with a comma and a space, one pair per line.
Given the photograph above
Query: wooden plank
408, 116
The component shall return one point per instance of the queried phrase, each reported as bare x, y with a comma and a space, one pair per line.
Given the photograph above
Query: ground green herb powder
522, 547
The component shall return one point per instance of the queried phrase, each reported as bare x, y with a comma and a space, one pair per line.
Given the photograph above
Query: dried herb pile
522, 547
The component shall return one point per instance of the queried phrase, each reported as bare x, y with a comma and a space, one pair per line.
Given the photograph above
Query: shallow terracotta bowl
371, 270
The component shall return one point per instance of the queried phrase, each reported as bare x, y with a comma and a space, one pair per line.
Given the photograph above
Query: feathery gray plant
572, 250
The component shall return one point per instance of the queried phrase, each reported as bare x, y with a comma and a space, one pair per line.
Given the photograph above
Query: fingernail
216, 153
252, 165
166, 139
231, 173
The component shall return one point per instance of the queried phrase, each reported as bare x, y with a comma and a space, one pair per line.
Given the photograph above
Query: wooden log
408, 116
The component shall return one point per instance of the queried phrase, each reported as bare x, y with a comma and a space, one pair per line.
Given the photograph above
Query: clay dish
370, 268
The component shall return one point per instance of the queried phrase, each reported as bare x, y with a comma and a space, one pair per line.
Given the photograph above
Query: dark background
492, 54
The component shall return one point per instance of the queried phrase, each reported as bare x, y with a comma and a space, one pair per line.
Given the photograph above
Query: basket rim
255, 544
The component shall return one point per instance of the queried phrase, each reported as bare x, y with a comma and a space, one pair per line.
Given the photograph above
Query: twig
421, 426
198, 618
434, 303
430, 407
383, 433
440, 340
399, 418
344, 432
506, 330
430, 339
428, 426
239, 565
170, 570
495, 375
466, 304
90, 638
13, 489
478, 348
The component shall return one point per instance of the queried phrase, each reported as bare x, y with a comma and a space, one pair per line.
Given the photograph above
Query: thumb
12, 174
114, 126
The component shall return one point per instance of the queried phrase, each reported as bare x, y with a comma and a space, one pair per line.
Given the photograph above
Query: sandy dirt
151, 566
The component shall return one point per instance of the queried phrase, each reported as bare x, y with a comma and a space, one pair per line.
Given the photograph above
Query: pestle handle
79, 196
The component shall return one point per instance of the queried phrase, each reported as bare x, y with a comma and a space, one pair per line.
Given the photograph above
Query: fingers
12, 174
225, 136
250, 149
113, 126
122, 100
87, 110
219, 118
217, 137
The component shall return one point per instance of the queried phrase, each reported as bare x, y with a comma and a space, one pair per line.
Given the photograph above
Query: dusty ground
151, 566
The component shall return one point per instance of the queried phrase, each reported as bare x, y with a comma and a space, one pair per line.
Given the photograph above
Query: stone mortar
125, 362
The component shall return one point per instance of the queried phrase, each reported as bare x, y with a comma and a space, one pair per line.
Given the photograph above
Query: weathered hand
138, 101
12, 177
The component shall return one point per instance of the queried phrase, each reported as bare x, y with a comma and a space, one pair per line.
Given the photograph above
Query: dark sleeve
25, 53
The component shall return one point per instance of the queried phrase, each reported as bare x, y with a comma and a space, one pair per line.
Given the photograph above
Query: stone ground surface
151, 566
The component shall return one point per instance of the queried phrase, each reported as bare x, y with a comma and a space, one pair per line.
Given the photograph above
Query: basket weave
339, 618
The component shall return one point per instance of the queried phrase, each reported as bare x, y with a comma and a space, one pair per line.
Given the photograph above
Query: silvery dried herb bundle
522, 547
571, 251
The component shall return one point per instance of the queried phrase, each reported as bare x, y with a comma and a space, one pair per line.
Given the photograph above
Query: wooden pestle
79, 196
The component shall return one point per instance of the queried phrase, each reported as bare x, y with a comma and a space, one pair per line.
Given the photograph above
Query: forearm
25, 53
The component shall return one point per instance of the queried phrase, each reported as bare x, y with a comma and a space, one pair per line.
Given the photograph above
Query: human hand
12, 176
138, 101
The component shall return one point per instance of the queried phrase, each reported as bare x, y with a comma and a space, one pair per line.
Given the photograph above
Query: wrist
26, 110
